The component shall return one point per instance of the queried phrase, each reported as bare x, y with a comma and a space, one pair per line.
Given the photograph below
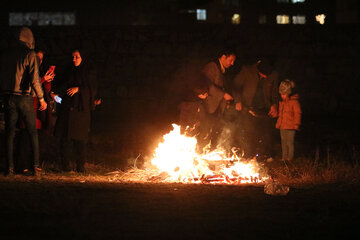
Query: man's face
228, 61
76, 58
40, 57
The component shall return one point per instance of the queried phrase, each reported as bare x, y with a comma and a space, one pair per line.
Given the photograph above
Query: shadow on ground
34, 208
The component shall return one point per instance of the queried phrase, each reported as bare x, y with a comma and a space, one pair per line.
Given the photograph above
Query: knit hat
286, 86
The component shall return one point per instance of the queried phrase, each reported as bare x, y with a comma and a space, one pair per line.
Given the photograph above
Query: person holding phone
46, 78
78, 94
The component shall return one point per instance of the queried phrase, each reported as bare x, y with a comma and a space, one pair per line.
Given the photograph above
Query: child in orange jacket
289, 118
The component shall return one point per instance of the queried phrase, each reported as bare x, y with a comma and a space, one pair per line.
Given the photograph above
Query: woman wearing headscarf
77, 98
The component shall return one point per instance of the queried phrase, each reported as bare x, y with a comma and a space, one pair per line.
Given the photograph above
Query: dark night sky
167, 11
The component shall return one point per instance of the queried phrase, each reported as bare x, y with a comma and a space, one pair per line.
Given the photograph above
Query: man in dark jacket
19, 81
256, 96
217, 97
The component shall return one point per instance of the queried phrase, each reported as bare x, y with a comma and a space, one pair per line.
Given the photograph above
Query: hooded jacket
289, 113
19, 67
245, 85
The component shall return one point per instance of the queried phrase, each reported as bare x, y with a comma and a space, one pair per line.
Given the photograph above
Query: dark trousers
71, 149
258, 135
287, 143
209, 131
15, 107
47, 150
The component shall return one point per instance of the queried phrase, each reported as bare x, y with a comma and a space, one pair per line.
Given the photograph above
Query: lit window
320, 18
282, 19
297, 1
235, 18
42, 18
201, 14
298, 19
262, 19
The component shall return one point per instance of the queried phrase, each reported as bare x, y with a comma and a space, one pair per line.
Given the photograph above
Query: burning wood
176, 160
159, 178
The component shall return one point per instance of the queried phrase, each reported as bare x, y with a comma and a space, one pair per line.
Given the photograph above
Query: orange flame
177, 156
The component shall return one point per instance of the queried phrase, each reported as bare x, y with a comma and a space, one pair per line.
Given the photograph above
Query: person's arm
94, 87
34, 74
35, 82
297, 115
275, 97
236, 93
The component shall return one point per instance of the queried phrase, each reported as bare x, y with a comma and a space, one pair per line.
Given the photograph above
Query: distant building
168, 12
251, 12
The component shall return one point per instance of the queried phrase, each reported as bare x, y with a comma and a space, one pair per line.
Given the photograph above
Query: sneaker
37, 171
26, 172
11, 172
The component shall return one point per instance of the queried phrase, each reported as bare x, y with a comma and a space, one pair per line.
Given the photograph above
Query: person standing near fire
289, 118
217, 97
77, 97
255, 90
43, 118
19, 82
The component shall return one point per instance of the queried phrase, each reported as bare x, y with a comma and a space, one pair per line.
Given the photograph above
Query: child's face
284, 96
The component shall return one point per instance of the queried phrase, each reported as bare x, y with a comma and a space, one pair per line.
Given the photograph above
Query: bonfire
176, 160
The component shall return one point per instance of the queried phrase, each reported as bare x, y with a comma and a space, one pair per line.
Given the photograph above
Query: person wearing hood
289, 118
19, 83
77, 96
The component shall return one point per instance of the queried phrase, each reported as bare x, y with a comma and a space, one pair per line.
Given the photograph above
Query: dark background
137, 61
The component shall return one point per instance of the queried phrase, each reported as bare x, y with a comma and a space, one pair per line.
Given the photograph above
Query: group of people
254, 94
27, 92
256, 99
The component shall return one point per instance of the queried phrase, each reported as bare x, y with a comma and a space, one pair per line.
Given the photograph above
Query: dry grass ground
94, 206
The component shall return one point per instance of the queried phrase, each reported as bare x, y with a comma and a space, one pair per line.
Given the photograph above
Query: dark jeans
209, 131
22, 106
47, 150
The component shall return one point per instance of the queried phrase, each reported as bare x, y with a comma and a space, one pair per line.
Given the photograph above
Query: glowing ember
177, 157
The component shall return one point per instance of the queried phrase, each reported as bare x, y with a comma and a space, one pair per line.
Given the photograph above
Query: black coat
74, 112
